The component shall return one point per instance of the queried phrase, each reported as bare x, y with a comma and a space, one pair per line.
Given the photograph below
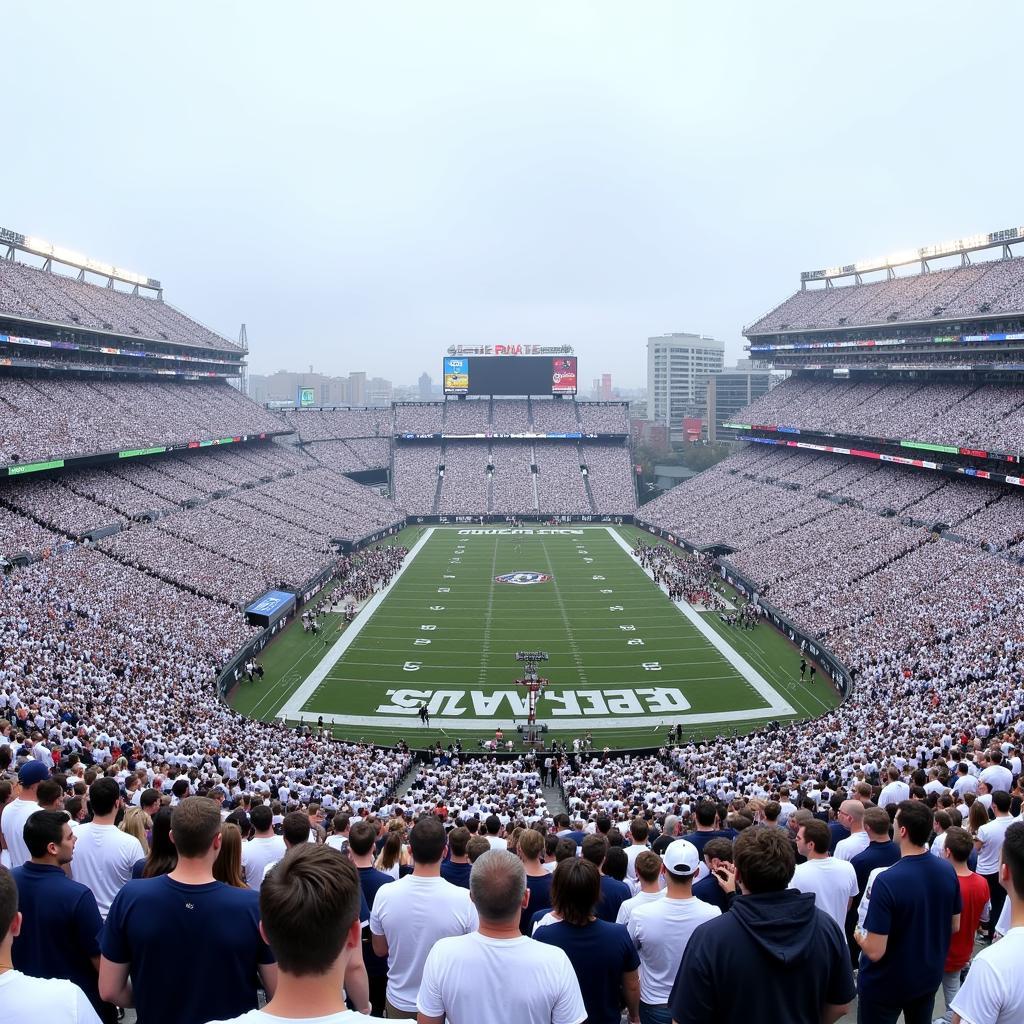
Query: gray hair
671, 824
497, 884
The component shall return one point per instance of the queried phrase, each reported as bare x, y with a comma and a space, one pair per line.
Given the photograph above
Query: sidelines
776, 705
293, 706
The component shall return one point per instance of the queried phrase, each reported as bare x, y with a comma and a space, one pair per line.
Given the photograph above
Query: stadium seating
56, 298
62, 417
339, 424
465, 486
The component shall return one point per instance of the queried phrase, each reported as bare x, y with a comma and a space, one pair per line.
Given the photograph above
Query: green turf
577, 619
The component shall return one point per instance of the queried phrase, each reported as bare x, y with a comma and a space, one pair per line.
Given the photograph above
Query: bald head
852, 812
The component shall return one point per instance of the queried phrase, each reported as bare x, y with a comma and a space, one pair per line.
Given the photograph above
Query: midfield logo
523, 579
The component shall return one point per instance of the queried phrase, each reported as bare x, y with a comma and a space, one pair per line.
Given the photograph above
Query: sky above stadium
366, 184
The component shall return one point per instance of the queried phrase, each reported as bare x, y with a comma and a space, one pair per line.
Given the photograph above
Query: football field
625, 663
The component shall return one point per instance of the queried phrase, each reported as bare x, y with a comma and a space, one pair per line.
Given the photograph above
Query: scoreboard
510, 375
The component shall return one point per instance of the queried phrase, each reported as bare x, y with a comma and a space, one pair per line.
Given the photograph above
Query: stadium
461, 603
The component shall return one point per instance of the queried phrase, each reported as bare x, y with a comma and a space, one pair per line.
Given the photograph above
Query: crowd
48, 418
513, 489
561, 487
962, 413
340, 424
991, 287
58, 298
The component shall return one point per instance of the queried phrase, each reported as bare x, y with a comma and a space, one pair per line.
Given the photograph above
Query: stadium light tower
534, 687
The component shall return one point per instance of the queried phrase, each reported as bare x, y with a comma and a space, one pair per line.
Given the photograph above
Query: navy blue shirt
913, 903
217, 924
60, 933
370, 881
708, 890
540, 896
874, 855
613, 894
839, 833
600, 953
701, 839
456, 874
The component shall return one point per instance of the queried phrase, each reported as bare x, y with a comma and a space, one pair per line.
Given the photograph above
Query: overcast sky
366, 184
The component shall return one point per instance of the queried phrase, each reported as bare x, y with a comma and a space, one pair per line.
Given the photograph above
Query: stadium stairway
586, 485
490, 479
437, 490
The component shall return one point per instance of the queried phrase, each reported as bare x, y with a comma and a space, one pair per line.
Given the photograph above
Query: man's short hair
576, 888
476, 848
772, 810
427, 840
340, 822
458, 841
648, 865
103, 795
764, 858
195, 822
1012, 857
43, 828
262, 817
595, 849
638, 829
564, 849
876, 821
719, 848
817, 834
8, 902
917, 818
706, 813
497, 884
295, 828
1000, 799
149, 797
361, 838
492, 824
307, 906
49, 790
531, 843
959, 843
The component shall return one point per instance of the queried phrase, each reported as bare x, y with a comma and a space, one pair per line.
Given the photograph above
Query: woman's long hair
228, 865
163, 857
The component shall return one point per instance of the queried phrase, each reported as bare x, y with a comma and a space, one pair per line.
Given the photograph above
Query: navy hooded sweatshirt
773, 957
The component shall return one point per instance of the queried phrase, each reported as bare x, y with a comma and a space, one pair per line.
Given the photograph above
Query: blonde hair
136, 822
228, 865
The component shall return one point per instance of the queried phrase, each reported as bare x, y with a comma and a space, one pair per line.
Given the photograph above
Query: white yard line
776, 704
293, 706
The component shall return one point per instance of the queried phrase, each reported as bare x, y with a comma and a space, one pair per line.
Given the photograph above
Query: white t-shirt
473, 979
52, 1000
660, 931
257, 854
103, 861
998, 777
626, 907
632, 852
15, 814
1003, 924
894, 793
994, 990
992, 836
865, 900
848, 848
497, 843
833, 882
262, 1017
413, 914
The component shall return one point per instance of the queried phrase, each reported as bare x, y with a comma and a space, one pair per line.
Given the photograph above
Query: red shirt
974, 895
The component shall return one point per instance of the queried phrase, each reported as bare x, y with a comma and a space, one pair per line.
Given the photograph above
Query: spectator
361, 843
457, 867
162, 854
638, 831
496, 974
832, 881
263, 849
104, 855
661, 930
216, 923
60, 927
227, 868
913, 912
54, 1000
989, 844
774, 957
648, 873
602, 955
975, 908
994, 990
309, 914
494, 838
19, 810
410, 917
294, 832
538, 881
613, 892
707, 827
851, 815
717, 854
